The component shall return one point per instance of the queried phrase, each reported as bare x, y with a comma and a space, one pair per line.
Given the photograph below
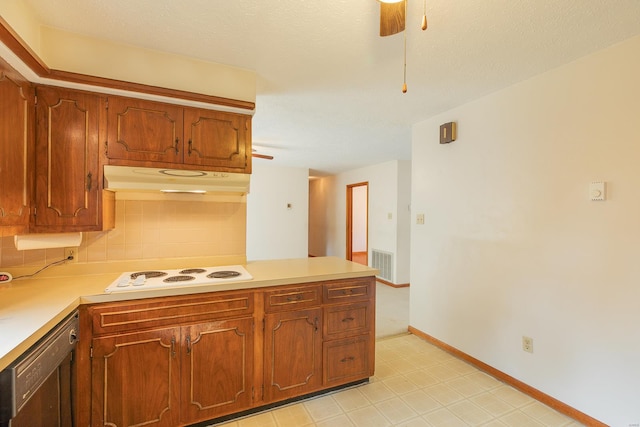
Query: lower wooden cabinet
293, 353
135, 379
346, 360
177, 361
217, 369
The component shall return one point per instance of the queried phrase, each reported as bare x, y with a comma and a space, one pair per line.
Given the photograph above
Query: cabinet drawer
346, 360
341, 291
128, 316
347, 320
292, 298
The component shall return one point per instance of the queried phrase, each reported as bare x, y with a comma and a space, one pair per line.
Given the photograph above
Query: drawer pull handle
348, 359
348, 319
296, 298
188, 344
173, 347
347, 291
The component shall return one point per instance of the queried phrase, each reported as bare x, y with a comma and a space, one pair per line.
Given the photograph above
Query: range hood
173, 181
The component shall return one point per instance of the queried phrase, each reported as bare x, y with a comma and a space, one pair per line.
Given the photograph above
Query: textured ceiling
329, 88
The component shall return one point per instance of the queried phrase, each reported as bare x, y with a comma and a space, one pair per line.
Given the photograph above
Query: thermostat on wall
597, 190
448, 132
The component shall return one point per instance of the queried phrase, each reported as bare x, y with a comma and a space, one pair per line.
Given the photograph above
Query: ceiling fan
260, 156
393, 14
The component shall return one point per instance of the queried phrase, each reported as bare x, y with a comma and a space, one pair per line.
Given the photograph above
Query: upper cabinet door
219, 140
144, 131
16, 118
68, 167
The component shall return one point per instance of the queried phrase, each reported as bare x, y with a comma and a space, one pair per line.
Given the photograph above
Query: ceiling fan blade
392, 18
262, 156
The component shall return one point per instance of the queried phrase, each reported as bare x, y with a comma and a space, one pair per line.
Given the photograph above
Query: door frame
350, 188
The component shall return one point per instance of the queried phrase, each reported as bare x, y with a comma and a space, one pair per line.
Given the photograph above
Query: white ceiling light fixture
392, 21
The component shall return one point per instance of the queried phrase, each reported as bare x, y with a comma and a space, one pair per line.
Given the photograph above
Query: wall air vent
383, 261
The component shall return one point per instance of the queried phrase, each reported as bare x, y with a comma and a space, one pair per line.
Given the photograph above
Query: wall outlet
527, 344
420, 219
71, 252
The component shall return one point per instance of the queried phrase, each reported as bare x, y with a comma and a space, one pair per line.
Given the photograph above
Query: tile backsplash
151, 229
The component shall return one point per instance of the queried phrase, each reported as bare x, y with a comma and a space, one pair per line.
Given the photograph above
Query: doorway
358, 223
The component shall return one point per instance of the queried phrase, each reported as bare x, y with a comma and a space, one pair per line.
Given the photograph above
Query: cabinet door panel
135, 379
347, 320
68, 175
216, 139
350, 290
289, 298
293, 353
346, 360
217, 368
16, 101
144, 130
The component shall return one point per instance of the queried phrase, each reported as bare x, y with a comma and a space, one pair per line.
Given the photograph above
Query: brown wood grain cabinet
181, 360
349, 330
68, 163
170, 361
16, 146
155, 134
292, 353
135, 379
217, 368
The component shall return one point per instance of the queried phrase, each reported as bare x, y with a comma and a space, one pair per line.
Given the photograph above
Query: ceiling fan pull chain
404, 84
424, 16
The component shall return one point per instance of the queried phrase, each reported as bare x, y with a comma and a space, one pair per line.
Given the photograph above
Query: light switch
390, 215
597, 190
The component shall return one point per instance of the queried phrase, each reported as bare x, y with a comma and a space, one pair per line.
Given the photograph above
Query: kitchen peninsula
299, 327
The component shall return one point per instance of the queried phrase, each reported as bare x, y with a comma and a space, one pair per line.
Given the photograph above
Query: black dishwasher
35, 390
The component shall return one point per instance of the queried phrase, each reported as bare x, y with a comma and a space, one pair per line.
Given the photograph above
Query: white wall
317, 217
513, 246
403, 221
387, 185
273, 230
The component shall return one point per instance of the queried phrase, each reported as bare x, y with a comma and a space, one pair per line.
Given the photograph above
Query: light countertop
29, 308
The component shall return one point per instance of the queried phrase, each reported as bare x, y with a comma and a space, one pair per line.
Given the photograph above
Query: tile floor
415, 384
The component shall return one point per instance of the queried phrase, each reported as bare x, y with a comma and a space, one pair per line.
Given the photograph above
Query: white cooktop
141, 280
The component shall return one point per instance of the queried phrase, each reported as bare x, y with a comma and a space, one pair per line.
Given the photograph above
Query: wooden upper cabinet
217, 139
154, 134
68, 174
144, 131
16, 121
